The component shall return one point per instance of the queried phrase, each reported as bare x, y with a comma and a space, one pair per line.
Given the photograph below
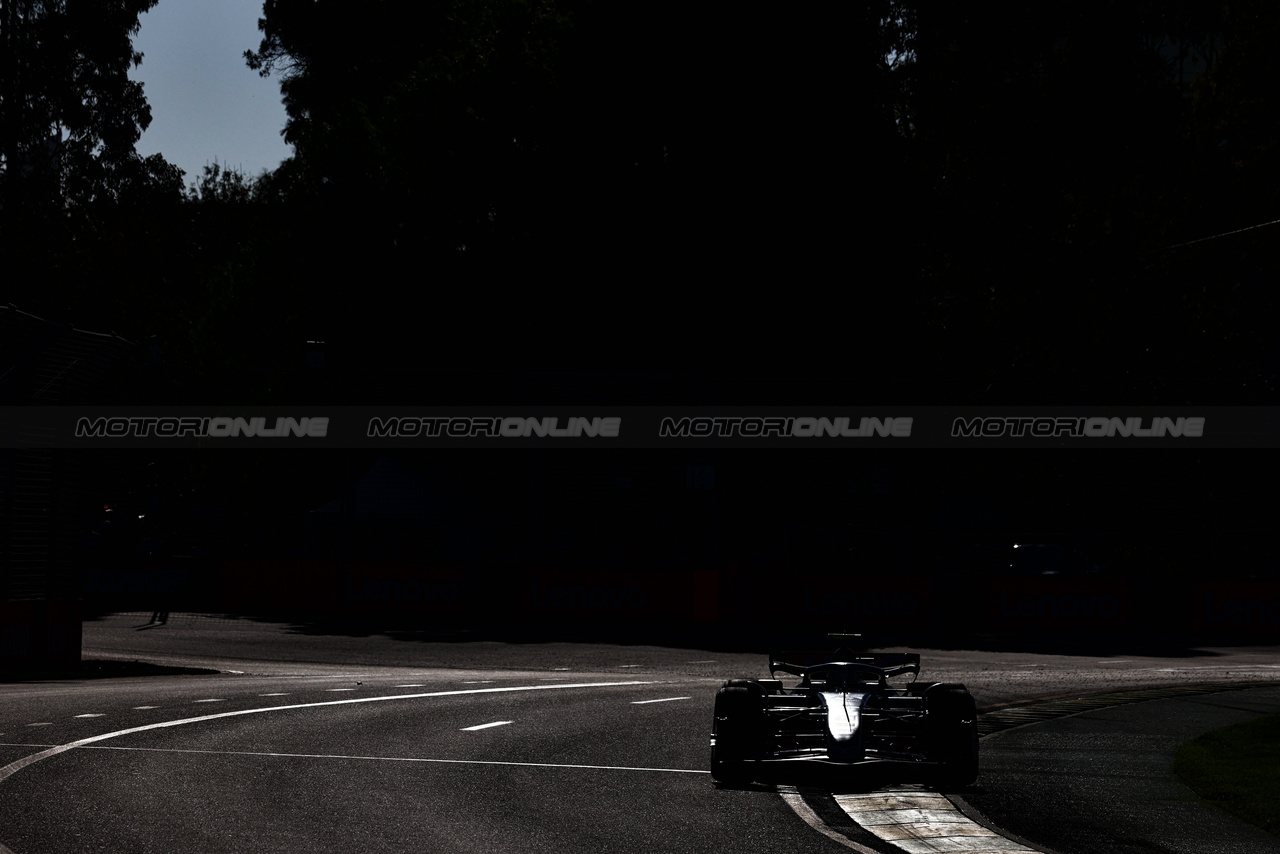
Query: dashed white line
92, 715
277, 694
214, 700
486, 726
145, 707
14, 767
702, 661
339, 689
663, 700
476, 681
42, 723
630, 665
398, 686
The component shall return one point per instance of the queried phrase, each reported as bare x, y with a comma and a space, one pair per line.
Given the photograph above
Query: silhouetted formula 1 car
843, 711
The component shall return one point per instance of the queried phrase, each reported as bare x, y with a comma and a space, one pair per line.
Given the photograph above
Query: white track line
392, 759
663, 700
486, 726
14, 767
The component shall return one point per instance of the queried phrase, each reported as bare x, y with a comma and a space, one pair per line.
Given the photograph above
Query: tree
623, 146
409, 112
436, 139
85, 221
1055, 155
999, 182
69, 114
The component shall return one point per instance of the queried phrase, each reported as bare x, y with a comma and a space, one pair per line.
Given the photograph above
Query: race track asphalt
321, 742
1102, 781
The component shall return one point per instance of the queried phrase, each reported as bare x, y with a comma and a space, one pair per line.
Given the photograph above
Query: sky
206, 104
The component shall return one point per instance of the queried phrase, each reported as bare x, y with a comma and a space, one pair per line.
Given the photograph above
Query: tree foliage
1002, 181
1004, 191
408, 112
86, 223
69, 114
1055, 156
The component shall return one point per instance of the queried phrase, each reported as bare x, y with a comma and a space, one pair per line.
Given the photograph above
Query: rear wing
892, 663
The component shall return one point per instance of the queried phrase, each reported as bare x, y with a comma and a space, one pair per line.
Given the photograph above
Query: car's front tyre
733, 732
952, 722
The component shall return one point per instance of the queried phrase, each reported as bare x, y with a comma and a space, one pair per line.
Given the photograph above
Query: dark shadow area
526, 207
1058, 552
837, 779
762, 640
1023, 181
1100, 646
101, 670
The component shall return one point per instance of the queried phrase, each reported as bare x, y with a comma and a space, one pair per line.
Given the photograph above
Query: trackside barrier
706, 596
336, 588
142, 581
549, 596
1060, 604
38, 633
1250, 609
403, 588
535, 597
811, 599
63, 630
17, 630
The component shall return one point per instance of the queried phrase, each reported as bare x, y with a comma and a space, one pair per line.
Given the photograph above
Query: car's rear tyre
734, 730
951, 719
961, 768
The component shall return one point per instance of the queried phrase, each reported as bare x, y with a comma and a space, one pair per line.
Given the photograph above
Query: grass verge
1237, 768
